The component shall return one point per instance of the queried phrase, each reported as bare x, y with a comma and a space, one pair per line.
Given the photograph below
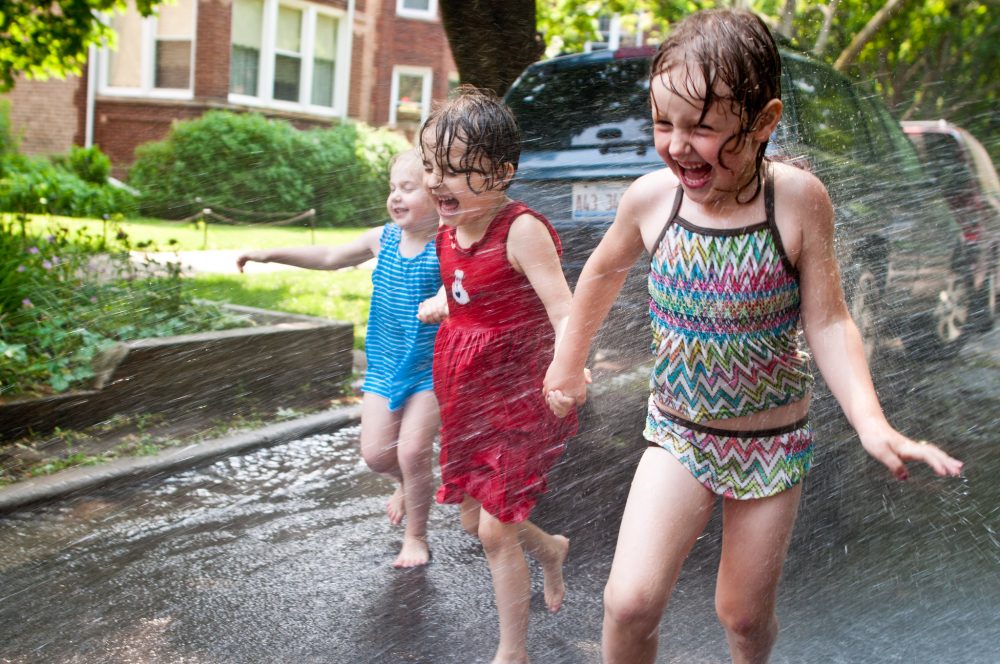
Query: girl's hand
433, 309
894, 450
243, 259
562, 395
559, 404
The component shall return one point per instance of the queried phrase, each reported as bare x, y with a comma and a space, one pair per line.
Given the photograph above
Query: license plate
597, 200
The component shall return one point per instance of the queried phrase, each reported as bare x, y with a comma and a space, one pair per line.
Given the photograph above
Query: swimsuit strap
772, 224
670, 220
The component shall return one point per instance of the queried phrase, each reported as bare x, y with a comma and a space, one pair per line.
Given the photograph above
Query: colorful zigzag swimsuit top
724, 308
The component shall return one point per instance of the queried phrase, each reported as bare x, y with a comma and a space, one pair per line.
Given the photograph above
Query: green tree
51, 37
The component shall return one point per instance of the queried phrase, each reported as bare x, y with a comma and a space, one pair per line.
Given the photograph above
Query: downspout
350, 55
88, 122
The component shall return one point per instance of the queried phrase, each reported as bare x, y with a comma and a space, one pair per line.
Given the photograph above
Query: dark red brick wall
407, 41
44, 114
211, 68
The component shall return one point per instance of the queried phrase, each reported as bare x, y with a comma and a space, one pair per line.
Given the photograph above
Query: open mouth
447, 205
695, 175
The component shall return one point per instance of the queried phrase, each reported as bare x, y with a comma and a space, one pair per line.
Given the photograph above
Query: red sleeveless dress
498, 437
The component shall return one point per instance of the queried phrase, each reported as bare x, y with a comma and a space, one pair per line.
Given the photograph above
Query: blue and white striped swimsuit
399, 347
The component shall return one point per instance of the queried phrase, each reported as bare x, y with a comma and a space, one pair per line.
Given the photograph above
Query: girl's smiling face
704, 149
409, 204
463, 197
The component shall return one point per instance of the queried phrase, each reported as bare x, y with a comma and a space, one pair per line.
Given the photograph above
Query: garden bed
283, 361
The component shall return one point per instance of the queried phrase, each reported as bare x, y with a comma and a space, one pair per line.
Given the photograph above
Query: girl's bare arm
352, 253
834, 339
602, 278
532, 252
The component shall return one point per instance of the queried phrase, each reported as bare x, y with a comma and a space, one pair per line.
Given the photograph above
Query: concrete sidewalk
171, 460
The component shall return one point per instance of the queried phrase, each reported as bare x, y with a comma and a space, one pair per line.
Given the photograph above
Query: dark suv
587, 131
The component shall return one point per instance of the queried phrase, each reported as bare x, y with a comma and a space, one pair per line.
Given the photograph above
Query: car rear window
588, 105
828, 112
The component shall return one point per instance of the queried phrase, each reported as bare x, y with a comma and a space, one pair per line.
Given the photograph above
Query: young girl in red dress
505, 304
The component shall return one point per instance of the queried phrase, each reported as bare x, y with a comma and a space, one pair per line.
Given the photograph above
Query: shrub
229, 161
74, 185
66, 296
88, 164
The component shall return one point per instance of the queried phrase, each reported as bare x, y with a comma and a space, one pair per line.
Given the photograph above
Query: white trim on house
429, 14
147, 64
427, 74
269, 50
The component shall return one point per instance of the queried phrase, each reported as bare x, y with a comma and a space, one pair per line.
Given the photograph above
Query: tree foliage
51, 37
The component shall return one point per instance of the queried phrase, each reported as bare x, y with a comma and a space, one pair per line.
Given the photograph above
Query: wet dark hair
480, 120
731, 49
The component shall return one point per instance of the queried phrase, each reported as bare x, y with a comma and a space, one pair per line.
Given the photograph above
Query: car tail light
634, 52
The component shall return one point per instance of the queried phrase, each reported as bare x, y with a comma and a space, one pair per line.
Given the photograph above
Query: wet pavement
283, 555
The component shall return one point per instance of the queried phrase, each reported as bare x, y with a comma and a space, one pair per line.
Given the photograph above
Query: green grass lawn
192, 236
342, 295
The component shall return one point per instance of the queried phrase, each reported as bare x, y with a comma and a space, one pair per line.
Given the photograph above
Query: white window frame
425, 91
147, 72
429, 14
268, 50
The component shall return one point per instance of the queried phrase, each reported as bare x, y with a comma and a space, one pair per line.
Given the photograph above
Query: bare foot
413, 554
552, 572
396, 507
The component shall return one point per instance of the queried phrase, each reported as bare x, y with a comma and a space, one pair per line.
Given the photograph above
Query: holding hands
433, 309
564, 390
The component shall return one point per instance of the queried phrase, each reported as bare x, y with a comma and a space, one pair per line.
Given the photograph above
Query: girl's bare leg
414, 455
755, 538
667, 509
511, 585
550, 551
379, 435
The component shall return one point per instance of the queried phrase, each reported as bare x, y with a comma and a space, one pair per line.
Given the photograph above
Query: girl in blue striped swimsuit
741, 252
399, 413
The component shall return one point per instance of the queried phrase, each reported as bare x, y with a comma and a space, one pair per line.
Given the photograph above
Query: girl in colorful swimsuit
399, 413
742, 250
507, 302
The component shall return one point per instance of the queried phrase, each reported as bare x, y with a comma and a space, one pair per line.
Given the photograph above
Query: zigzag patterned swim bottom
735, 464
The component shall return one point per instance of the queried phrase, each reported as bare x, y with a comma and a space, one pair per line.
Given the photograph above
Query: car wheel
951, 315
864, 300
983, 304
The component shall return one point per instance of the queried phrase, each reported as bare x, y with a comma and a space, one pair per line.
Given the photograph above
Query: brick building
311, 62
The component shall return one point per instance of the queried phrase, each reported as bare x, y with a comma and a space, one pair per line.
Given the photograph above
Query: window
154, 55
244, 61
828, 112
288, 55
411, 94
324, 61
584, 106
422, 9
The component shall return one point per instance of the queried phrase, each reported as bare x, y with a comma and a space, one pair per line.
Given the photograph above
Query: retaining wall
285, 360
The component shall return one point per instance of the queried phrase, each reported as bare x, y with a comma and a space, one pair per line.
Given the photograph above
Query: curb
132, 469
